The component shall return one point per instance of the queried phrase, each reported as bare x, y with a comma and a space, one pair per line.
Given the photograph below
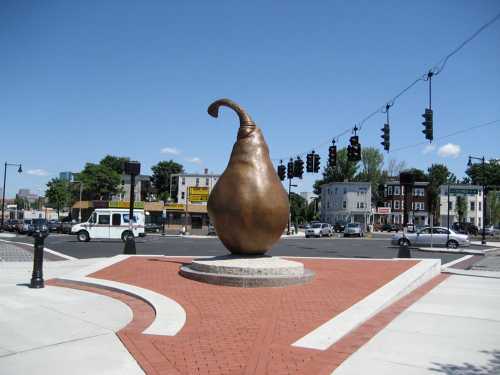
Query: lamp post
483, 168
80, 201
19, 170
132, 168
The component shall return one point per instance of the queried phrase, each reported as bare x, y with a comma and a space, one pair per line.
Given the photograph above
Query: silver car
439, 236
353, 229
319, 230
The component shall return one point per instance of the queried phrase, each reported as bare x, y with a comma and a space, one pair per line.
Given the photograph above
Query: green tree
115, 163
438, 174
99, 181
461, 208
491, 173
58, 194
22, 203
345, 170
372, 163
161, 177
298, 208
493, 207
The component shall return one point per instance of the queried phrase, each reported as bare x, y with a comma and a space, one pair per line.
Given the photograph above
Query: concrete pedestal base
247, 272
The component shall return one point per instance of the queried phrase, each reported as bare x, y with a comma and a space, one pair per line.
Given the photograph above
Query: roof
359, 183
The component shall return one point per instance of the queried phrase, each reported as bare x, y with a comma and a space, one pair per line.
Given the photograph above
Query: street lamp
19, 170
80, 201
483, 168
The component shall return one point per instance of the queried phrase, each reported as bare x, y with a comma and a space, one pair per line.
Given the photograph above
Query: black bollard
37, 276
404, 250
130, 245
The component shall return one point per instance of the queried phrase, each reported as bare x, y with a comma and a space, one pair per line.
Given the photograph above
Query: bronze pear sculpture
248, 205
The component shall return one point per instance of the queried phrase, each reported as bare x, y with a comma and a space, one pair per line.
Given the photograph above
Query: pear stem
245, 119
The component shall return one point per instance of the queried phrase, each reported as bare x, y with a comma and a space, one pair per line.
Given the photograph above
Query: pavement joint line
170, 316
453, 262
340, 325
443, 315
53, 252
473, 273
57, 344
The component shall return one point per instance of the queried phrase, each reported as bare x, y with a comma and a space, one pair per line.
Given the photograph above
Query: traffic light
316, 159
428, 124
298, 168
386, 136
281, 171
289, 170
332, 155
309, 163
354, 149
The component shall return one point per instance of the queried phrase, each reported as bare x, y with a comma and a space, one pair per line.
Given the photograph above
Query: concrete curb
475, 273
170, 316
332, 331
457, 251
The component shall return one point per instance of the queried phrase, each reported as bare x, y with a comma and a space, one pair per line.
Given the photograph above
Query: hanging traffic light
281, 171
386, 136
298, 168
354, 149
289, 171
309, 163
316, 160
332, 155
428, 123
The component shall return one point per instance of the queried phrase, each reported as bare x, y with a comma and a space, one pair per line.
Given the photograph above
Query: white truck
110, 223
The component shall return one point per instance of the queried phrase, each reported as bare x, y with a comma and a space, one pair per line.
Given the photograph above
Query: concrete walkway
454, 329
57, 330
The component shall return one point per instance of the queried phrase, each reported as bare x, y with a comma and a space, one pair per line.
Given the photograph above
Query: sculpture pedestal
247, 271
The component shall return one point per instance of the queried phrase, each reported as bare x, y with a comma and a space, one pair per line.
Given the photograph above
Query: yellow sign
175, 206
198, 194
124, 204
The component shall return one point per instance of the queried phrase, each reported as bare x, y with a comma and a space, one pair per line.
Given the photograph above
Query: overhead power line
437, 68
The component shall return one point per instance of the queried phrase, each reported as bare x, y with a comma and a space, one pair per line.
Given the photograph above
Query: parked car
489, 231
353, 229
390, 228
319, 230
24, 226
10, 225
67, 223
37, 225
439, 236
465, 228
152, 227
339, 226
54, 226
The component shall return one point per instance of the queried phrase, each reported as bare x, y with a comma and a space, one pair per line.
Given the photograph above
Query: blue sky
84, 79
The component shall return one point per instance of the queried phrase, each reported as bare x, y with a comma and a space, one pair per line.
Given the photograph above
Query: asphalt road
378, 247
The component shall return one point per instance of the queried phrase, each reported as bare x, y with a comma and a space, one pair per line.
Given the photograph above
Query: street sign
383, 210
198, 194
175, 206
125, 204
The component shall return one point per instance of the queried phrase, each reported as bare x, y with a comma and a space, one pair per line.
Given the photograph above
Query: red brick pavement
250, 331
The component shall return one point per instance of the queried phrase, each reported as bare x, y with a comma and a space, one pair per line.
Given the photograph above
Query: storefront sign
124, 204
198, 194
383, 210
175, 206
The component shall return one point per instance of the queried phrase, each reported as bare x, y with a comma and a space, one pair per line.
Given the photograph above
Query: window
479, 222
472, 206
396, 205
345, 190
93, 218
344, 204
126, 220
439, 231
357, 205
183, 180
450, 205
206, 181
418, 192
389, 190
397, 190
385, 191
183, 195
116, 220
104, 219
479, 206
388, 204
425, 231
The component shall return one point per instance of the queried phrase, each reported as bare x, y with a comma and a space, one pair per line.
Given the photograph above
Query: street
377, 247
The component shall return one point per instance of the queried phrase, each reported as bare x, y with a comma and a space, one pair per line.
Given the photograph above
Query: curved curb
170, 316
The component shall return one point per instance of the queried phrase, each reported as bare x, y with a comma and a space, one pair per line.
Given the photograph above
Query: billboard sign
198, 194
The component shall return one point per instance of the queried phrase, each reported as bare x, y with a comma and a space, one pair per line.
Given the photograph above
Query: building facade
67, 176
472, 204
143, 189
394, 203
346, 201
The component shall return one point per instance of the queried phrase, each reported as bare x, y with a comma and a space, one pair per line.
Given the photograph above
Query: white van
110, 223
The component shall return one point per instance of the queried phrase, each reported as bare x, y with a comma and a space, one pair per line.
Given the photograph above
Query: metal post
289, 204
483, 240
80, 201
448, 219
130, 240
186, 210
37, 275
3, 193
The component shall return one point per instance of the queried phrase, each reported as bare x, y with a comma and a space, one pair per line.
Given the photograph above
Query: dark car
390, 228
152, 228
339, 226
66, 224
40, 225
54, 226
465, 228
10, 225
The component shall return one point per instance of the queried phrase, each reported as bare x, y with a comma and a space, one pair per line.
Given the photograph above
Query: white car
353, 229
319, 230
439, 236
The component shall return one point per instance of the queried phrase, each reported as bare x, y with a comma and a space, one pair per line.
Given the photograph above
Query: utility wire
447, 135
438, 68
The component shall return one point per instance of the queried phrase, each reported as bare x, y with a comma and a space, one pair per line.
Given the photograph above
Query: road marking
333, 330
50, 251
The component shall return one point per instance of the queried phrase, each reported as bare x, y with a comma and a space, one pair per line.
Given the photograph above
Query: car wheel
452, 244
126, 234
83, 236
403, 242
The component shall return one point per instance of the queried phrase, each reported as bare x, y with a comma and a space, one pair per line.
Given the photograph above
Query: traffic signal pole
289, 205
